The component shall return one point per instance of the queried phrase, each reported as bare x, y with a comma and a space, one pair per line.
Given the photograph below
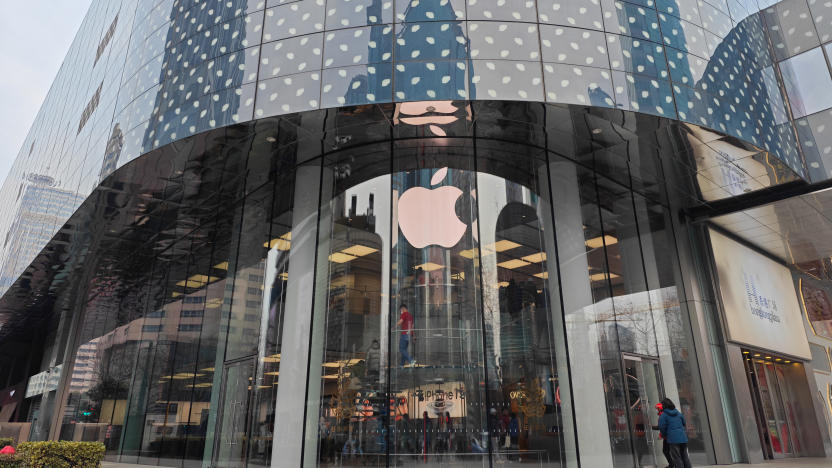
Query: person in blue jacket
673, 429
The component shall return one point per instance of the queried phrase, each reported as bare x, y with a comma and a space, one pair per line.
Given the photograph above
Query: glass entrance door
643, 388
774, 406
233, 419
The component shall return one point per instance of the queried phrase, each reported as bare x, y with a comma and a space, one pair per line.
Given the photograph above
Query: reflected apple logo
428, 216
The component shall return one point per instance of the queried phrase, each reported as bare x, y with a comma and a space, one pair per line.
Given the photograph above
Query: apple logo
428, 216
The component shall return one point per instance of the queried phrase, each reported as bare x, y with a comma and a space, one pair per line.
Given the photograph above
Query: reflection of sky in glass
807, 82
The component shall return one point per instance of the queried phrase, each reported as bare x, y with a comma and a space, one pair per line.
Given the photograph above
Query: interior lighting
221, 266
272, 358
429, 266
280, 243
602, 276
468, 253
535, 258
345, 363
598, 242
359, 250
542, 275
339, 257
512, 264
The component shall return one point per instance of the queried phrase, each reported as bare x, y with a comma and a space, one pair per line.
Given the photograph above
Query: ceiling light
272, 373
272, 358
280, 243
535, 258
597, 242
429, 266
221, 266
469, 253
359, 250
339, 257
543, 275
601, 276
512, 264
501, 246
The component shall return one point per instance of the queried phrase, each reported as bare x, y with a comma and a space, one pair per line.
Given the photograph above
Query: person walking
405, 324
665, 445
673, 428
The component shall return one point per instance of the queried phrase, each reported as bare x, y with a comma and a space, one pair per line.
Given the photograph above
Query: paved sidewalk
123, 465
792, 463
788, 463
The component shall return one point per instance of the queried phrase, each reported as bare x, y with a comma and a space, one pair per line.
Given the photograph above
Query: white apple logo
428, 217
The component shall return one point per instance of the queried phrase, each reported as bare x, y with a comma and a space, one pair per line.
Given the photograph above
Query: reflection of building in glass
42, 208
112, 153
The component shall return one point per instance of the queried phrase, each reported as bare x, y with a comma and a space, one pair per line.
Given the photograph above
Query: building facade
308, 233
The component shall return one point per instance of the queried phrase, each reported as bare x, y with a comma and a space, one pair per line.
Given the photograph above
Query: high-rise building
313, 233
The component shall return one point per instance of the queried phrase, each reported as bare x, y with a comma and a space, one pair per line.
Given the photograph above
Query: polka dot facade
194, 65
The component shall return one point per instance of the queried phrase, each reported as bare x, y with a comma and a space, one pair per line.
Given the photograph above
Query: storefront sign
759, 298
44, 382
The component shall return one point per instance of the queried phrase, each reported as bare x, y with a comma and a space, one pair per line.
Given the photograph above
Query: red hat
659, 407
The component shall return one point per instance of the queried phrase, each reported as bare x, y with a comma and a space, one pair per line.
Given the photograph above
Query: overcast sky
34, 38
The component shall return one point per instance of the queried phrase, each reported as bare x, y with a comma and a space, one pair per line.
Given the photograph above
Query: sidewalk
787, 463
791, 463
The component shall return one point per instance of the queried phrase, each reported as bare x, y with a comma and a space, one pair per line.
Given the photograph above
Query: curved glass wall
421, 299
451, 292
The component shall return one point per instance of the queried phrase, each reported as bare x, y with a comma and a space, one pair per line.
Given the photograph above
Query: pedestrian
405, 324
673, 428
514, 431
665, 445
373, 362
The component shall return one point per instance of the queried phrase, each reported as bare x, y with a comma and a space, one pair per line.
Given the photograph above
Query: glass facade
324, 232
406, 298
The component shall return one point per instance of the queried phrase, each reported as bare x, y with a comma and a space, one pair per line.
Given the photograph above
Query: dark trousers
404, 356
666, 452
679, 456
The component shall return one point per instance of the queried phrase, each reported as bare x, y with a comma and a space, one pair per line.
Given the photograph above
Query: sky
34, 38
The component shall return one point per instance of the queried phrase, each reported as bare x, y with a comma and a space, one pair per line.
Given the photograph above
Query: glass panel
789, 408
435, 321
767, 398
232, 435
351, 341
806, 76
527, 378
590, 326
275, 286
677, 358
790, 28
642, 393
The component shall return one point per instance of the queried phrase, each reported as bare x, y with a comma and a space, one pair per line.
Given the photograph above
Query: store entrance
775, 406
232, 423
643, 389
